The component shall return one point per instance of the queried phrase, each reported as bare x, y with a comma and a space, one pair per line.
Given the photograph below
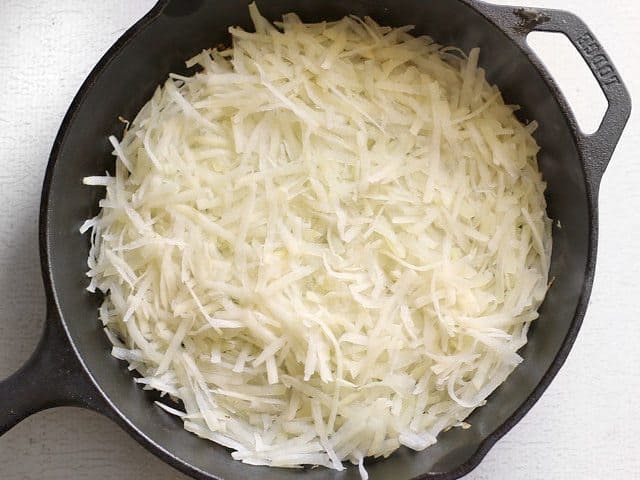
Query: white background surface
586, 425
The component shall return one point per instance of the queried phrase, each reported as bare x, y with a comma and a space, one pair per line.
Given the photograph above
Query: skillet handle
597, 148
52, 377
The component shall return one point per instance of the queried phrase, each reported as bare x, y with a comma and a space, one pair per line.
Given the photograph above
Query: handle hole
573, 76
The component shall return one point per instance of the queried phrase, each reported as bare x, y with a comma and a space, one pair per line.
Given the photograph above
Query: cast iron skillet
72, 364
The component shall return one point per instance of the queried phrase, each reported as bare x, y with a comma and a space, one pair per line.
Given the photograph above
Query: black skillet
72, 364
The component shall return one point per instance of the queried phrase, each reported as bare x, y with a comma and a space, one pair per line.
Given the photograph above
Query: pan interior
125, 83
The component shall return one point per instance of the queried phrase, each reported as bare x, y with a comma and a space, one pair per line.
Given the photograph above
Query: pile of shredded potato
327, 243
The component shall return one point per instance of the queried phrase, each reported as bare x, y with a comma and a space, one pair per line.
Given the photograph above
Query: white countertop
585, 426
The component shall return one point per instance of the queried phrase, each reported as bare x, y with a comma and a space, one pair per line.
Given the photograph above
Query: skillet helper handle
597, 148
52, 377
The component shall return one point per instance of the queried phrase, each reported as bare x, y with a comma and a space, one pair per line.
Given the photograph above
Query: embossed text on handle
598, 60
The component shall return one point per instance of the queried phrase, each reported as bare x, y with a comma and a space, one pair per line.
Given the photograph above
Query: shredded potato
327, 243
